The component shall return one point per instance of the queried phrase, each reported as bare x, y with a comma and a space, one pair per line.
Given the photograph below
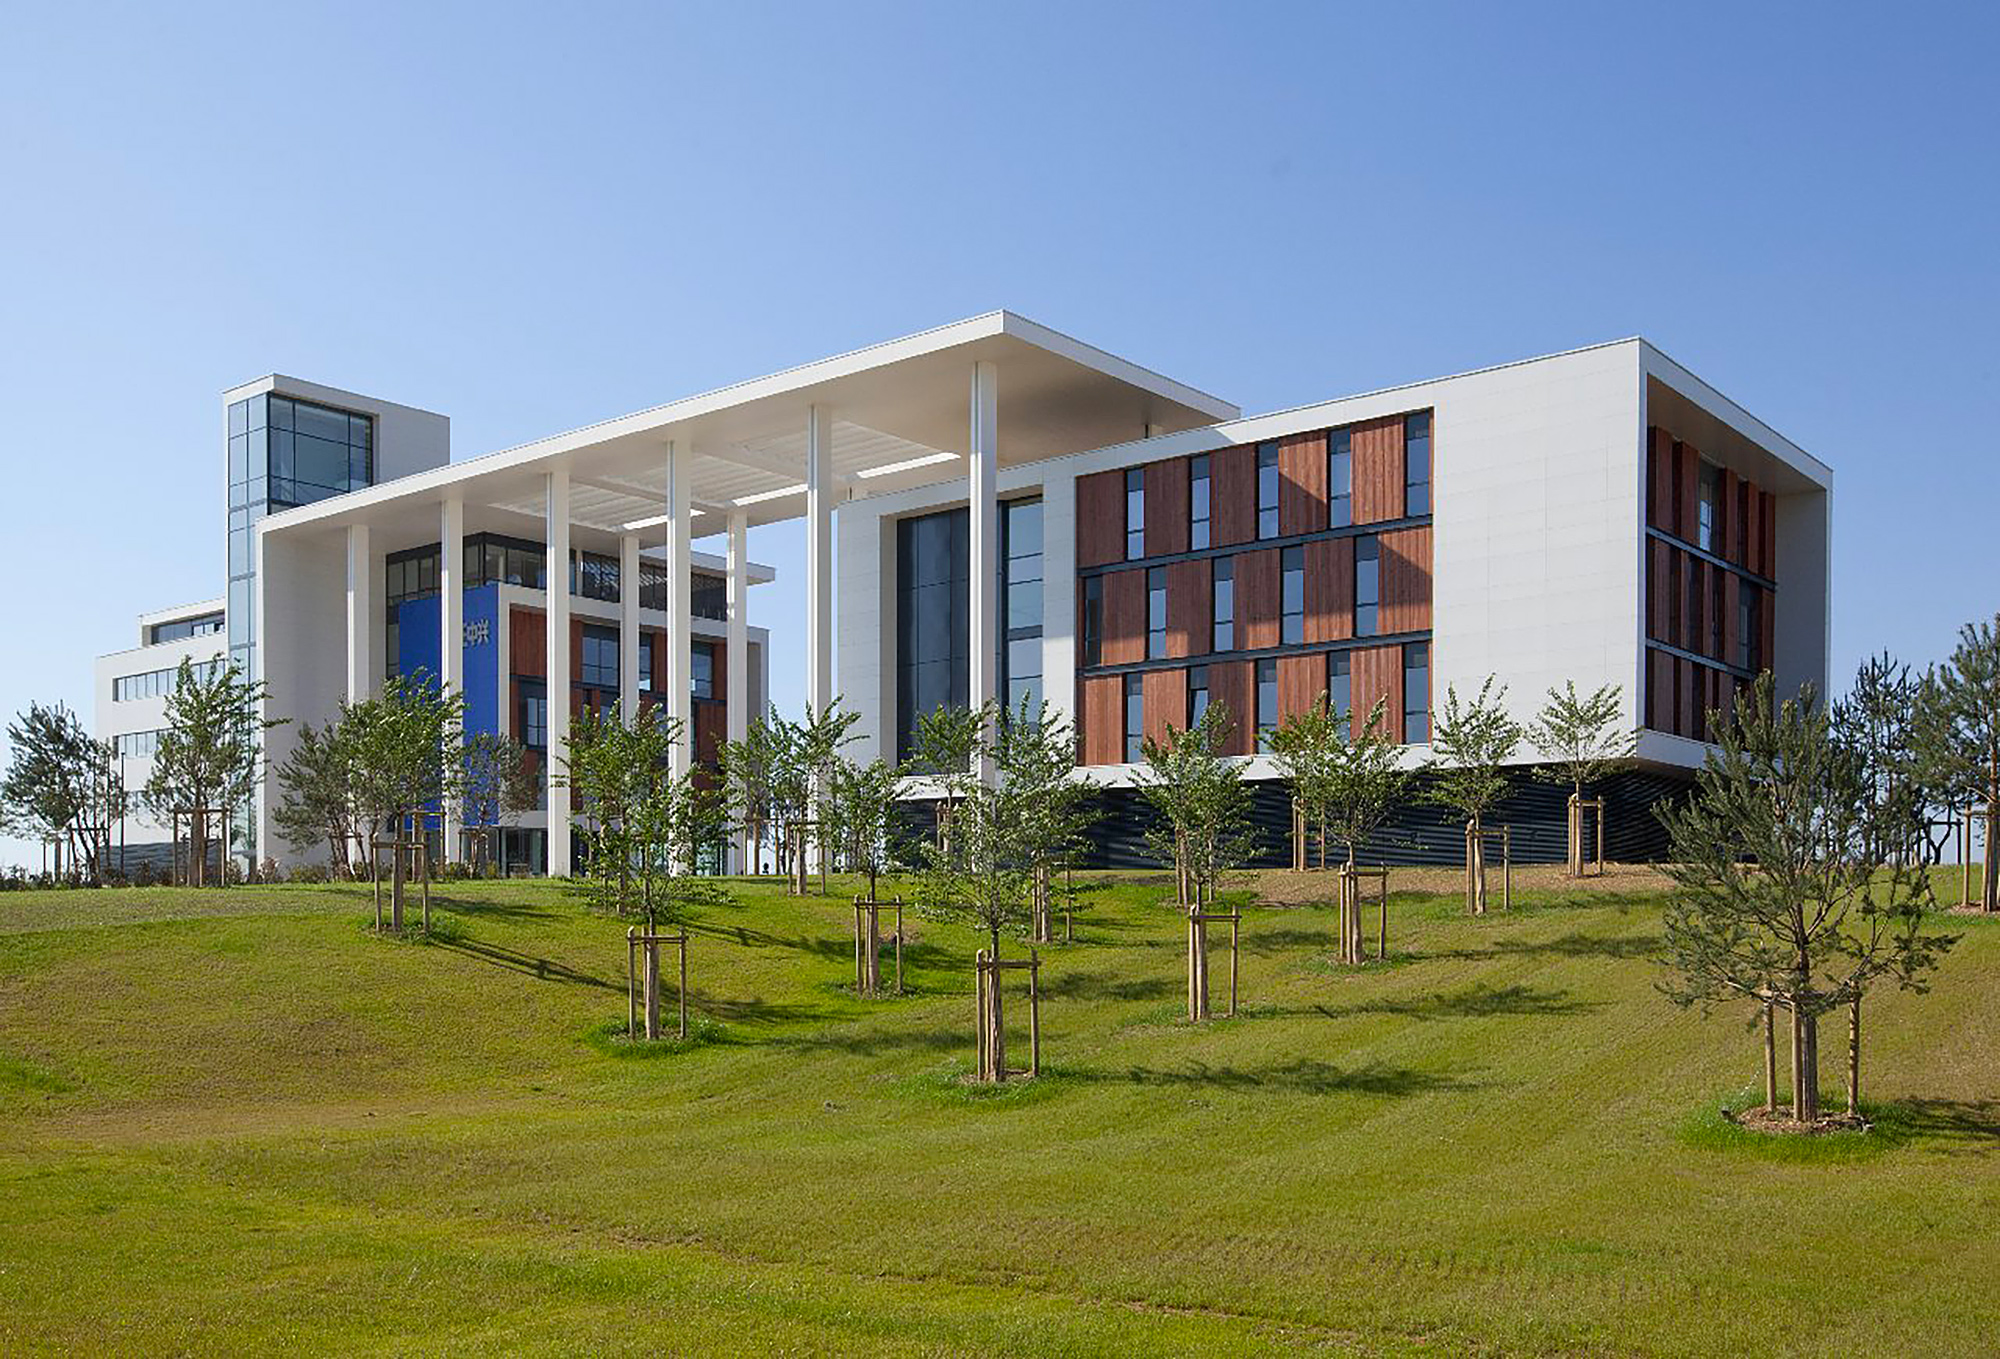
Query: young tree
206, 761
1778, 897
1363, 782
750, 769
1582, 741
608, 766
1304, 747
1203, 828
316, 794
947, 742
862, 810
408, 760
818, 742
976, 874
1958, 737
670, 822
500, 784
1035, 756
59, 788
1470, 743
1877, 724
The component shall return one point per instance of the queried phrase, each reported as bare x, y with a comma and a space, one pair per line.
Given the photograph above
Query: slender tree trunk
1770, 1058
1989, 875
1854, 1055
1805, 1064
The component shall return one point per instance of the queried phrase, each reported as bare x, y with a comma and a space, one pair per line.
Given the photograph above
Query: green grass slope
237, 1122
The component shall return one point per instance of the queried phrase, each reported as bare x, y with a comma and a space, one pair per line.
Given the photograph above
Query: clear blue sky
534, 218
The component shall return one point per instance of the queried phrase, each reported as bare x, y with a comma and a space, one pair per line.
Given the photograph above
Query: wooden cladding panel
1259, 600
1103, 720
1189, 602
1100, 513
1660, 482
528, 642
1770, 536
1658, 591
1377, 676
1233, 684
1378, 470
1301, 681
1124, 616
1406, 580
1687, 470
710, 730
1166, 507
1163, 699
1232, 495
1729, 529
1732, 616
1302, 484
1690, 700
1330, 590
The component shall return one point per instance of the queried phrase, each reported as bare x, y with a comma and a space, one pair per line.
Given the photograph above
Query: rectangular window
1417, 693
701, 665
1340, 479
708, 596
182, 628
594, 576
1417, 463
933, 618
1709, 484
1156, 613
1021, 588
1367, 585
1198, 503
599, 662
534, 715
645, 664
1267, 702
1197, 695
1135, 514
1135, 720
1292, 596
1093, 620
1749, 627
1267, 490
1340, 684
1223, 604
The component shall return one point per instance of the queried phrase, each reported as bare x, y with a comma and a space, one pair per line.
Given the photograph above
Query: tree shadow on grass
1572, 945
1282, 940
1301, 1075
871, 1041
1079, 985
1960, 1125
1474, 1002
740, 1010
527, 964
478, 909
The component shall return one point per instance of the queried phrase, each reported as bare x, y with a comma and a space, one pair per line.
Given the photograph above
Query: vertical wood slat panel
527, 642
1753, 528
1232, 495
1378, 470
1163, 698
1690, 700
1660, 485
1124, 616
1232, 684
1770, 535
1100, 507
1103, 733
1732, 623
1258, 601
1687, 469
1658, 589
1728, 528
1302, 484
1406, 580
1166, 507
1301, 681
1189, 628
1377, 675
1330, 590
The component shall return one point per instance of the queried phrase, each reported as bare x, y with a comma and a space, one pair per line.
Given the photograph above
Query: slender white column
628, 628
680, 660
819, 558
364, 617
451, 637
736, 664
983, 665
558, 668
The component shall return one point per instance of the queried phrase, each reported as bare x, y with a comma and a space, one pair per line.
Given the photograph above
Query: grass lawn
236, 1121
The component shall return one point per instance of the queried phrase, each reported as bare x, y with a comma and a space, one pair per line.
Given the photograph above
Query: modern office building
994, 510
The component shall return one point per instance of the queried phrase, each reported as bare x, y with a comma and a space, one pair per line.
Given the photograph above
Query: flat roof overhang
900, 418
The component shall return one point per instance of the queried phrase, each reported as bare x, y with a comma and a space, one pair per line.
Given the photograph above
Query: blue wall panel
417, 637
482, 659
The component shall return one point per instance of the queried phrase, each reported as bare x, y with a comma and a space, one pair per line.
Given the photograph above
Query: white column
451, 636
364, 617
1059, 623
983, 665
736, 665
556, 536
628, 628
680, 661
819, 558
